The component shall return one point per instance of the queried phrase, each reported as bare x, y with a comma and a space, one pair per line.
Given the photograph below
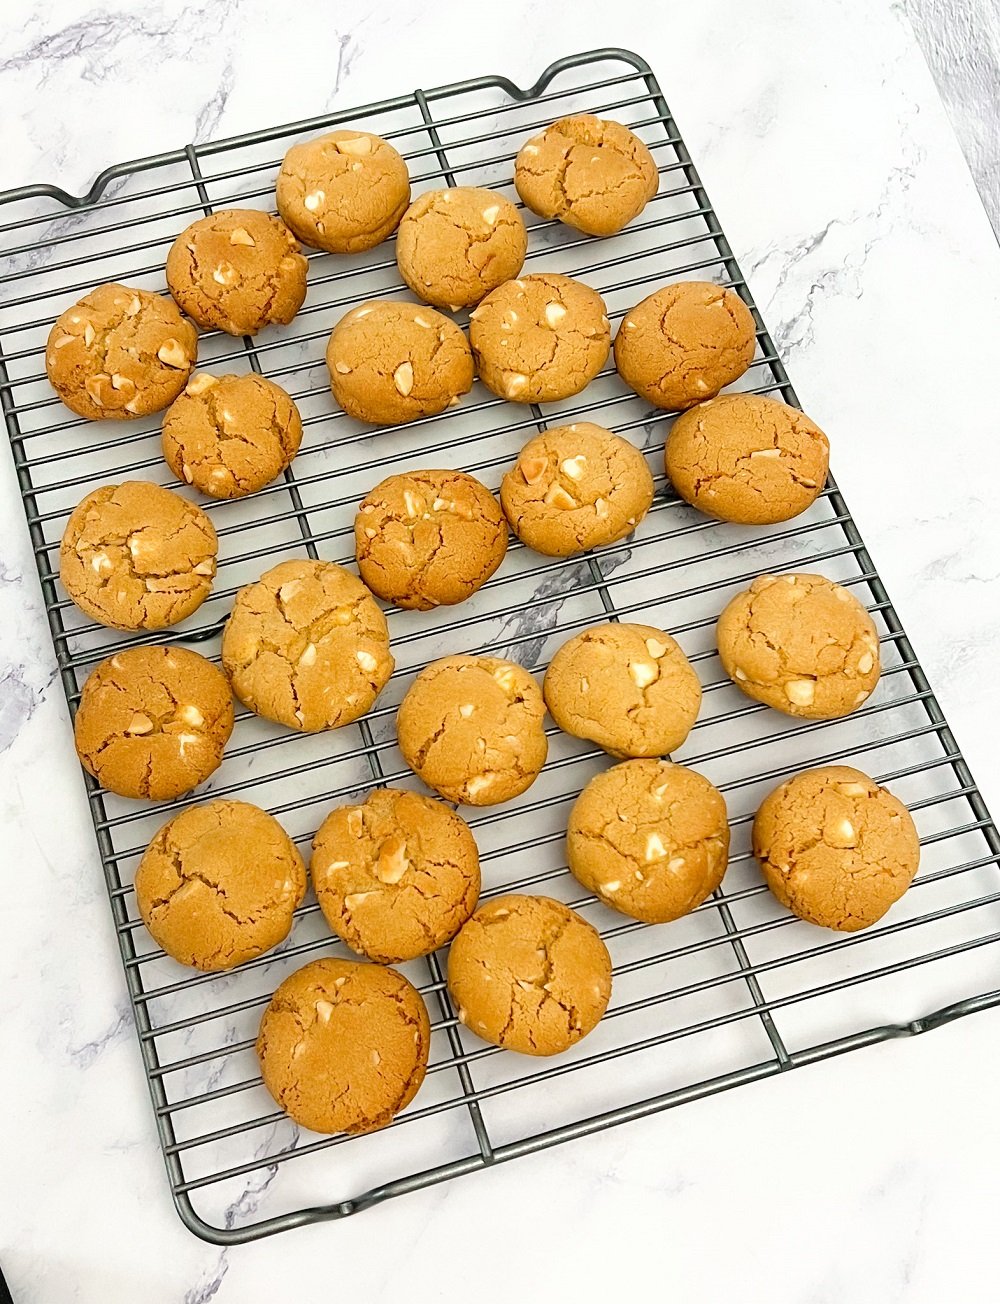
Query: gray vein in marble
84, 1055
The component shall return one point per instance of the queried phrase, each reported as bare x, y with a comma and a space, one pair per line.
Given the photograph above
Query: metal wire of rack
737, 991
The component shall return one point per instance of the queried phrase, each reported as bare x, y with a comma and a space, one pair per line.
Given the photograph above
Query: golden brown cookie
395, 362
429, 538
120, 353
153, 721
137, 556
343, 192
343, 1046
219, 885
307, 646
650, 839
748, 459
835, 848
802, 644
591, 173
236, 271
576, 487
397, 876
454, 246
684, 343
540, 338
230, 435
471, 728
529, 974
628, 688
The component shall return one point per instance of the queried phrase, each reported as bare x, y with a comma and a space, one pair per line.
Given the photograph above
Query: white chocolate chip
655, 849
608, 888
766, 453
675, 865
655, 648
532, 468
800, 692
191, 715
289, 590
342, 369
392, 862
314, 200
529, 149
200, 382
171, 354
506, 677
375, 1057
413, 505
324, 1009
369, 532
573, 466
140, 724
556, 496
465, 710
224, 273
358, 145
134, 306
525, 986
89, 335
366, 661
239, 235
865, 663
308, 657
100, 562
206, 567
118, 381
62, 341
600, 507
491, 214
403, 377
554, 313
643, 673
95, 388
739, 674
355, 821
421, 321
842, 834
478, 783
852, 789
516, 384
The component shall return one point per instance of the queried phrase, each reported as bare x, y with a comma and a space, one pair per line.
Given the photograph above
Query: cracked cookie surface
802, 644
540, 338
529, 974
219, 885
236, 271
684, 343
454, 246
747, 459
429, 538
344, 191
230, 435
574, 488
471, 728
307, 646
591, 173
153, 721
649, 838
393, 362
835, 848
120, 353
396, 876
343, 1046
628, 688
137, 556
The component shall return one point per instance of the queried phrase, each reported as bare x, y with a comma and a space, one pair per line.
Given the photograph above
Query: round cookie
835, 848
344, 192
236, 271
307, 646
628, 688
800, 643
137, 556
748, 459
540, 338
395, 362
153, 721
230, 435
454, 246
684, 343
429, 538
650, 839
397, 876
591, 173
343, 1046
471, 728
529, 974
576, 487
219, 885
120, 353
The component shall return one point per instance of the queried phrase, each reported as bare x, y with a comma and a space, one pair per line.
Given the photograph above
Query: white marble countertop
822, 141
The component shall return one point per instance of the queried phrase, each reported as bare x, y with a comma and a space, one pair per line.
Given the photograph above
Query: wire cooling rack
737, 991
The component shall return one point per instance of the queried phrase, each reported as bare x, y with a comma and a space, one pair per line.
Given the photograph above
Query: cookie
802, 644
236, 271
395, 362
397, 876
684, 343
540, 338
628, 688
307, 646
574, 488
835, 848
471, 728
230, 435
747, 459
153, 721
120, 353
529, 974
454, 246
219, 885
343, 1046
137, 556
429, 538
591, 173
344, 192
649, 839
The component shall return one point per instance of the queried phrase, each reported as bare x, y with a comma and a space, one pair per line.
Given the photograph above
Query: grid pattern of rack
735, 992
